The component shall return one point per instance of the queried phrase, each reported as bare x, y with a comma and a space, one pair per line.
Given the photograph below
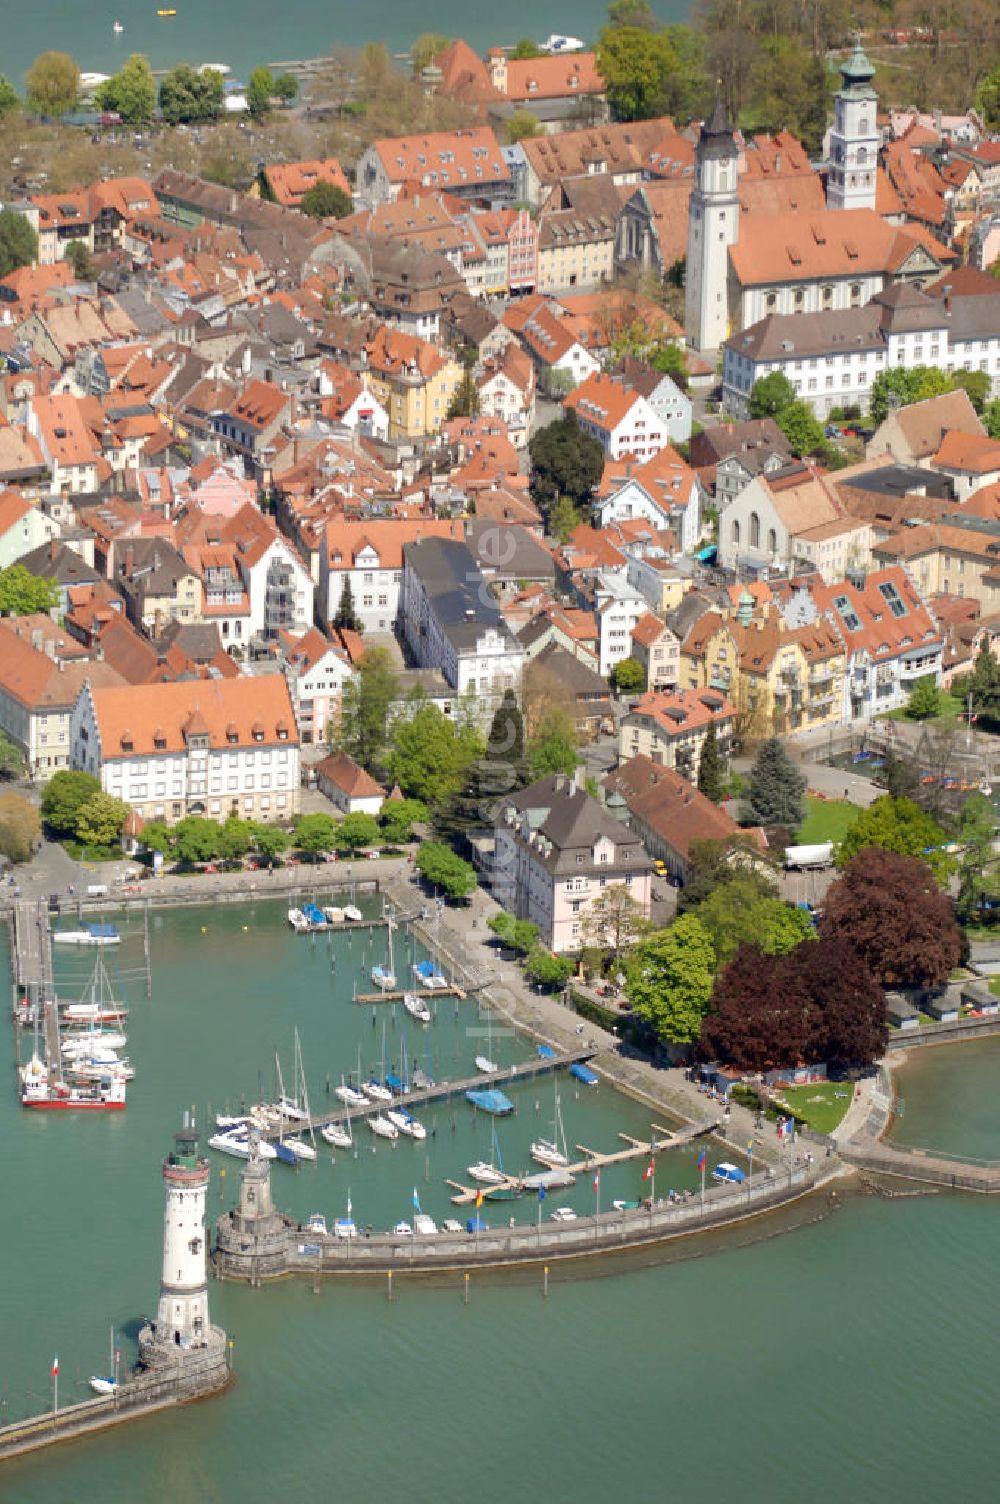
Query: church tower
182, 1334
851, 174
713, 226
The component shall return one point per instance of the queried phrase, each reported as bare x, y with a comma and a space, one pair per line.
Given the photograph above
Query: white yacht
298, 921
381, 1126
485, 1174
335, 1134
350, 1096
486, 1065
377, 1092
406, 1123
416, 1007
300, 1149
353, 914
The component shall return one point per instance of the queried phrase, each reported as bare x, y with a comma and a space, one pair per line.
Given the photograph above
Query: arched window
754, 530
772, 541
862, 156
736, 535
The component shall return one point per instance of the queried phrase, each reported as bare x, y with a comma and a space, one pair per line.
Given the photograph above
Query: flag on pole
749, 1145
701, 1162
348, 1206
55, 1366
597, 1182
416, 1200
541, 1193
650, 1169
479, 1199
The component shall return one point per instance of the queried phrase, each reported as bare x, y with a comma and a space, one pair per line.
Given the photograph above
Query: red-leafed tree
890, 909
757, 1020
848, 1017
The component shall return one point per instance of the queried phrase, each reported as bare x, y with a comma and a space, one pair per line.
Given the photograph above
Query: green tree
442, 868
776, 787
636, 65
196, 839
898, 825
525, 50
235, 838
991, 418
713, 862
615, 922
632, 13
983, 684
770, 395
11, 758
430, 755
365, 707
357, 831
9, 97
801, 428
286, 88
629, 677
425, 49
20, 828
260, 91
465, 398
901, 387
546, 969
670, 980
398, 817
188, 97
988, 100
347, 617
711, 774
23, 593
735, 914
326, 201
62, 797
270, 841
978, 386
554, 747
315, 833
131, 92
158, 836
519, 935
924, 701
564, 519
565, 461
18, 242
99, 820
500, 769
80, 259
522, 126
52, 84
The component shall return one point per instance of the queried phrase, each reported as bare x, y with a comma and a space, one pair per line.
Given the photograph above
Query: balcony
820, 676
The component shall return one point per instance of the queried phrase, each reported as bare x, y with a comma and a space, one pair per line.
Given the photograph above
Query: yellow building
413, 380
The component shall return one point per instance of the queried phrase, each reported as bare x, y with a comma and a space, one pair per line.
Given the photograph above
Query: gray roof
787, 336
457, 591
753, 442
576, 675
507, 551
54, 561
199, 640
570, 821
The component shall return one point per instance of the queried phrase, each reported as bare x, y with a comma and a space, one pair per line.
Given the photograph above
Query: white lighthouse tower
182, 1335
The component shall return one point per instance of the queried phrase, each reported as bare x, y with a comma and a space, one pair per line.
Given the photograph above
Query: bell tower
713, 226
853, 165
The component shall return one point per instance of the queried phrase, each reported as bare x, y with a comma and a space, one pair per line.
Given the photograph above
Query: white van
97, 890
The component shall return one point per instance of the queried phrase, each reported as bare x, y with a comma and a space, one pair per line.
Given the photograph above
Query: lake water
947, 1099
824, 1362
244, 33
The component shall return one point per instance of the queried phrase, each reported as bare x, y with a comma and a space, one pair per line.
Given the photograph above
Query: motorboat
344, 1227
376, 1092
314, 916
406, 1123
584, 1074
416, 1007
485, 1174
44, 1092
333, 1133
93, 1039
382, 1128
80, 1015
383, 977
557, 43
424, 1226
564, 1214
117, 28
353, 914
486, 1066
237, 1144
402, 1230
96, 1070
317, 1224
98, 1383
421, 1080
225, 1121
298, 921
727, 1174
90, 934
492, 1101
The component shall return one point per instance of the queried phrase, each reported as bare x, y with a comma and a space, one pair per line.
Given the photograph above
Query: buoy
245, 928
204, 929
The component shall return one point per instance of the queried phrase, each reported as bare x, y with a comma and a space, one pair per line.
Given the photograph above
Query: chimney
580, 777
36, 639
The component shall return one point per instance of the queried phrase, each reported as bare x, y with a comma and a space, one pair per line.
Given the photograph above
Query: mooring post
465, 1293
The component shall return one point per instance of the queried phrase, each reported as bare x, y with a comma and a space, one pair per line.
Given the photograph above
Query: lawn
826, 820
821, 1104
953, 708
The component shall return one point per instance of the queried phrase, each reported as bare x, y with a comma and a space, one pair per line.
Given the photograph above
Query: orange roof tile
227, 711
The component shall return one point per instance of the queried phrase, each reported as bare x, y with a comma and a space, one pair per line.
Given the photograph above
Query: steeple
716, 139
713, 226
857, 72
853, 160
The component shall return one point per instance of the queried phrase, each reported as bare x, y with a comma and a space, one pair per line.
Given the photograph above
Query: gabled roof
345, 774
671, 807
800, 247
230, 712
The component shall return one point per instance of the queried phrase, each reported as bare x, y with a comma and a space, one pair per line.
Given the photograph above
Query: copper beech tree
891, 910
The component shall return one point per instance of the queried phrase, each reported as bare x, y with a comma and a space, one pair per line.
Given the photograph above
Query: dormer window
160, 739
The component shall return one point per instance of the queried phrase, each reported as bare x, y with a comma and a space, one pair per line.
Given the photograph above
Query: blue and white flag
541, 1193
416, 1200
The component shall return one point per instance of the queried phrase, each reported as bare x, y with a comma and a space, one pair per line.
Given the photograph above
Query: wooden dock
397, 996
441, 1091
593, 1159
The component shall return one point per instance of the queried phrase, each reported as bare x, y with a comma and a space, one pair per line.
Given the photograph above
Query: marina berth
382, 1128
428, 976
333, 1133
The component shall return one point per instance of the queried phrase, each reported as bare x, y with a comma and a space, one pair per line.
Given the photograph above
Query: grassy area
995, 986
826, 820
81, 853
821, 1105
953, 708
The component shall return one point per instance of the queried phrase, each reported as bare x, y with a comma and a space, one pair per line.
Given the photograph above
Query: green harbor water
947, 1098
244, 33
850, 1358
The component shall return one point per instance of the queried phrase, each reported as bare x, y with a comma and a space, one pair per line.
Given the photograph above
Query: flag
701, 1163
650, 1170
55, 1366
749, 1145
541, 1193
348, 1206
479, 1199
597, 1183
416, 1200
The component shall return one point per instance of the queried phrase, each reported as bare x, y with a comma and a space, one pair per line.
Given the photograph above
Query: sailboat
416, 1007
486, 1063
382, 1128
385, 976
406, 1122
107, 1383
374, 1088
338, 1134
553, 1151
489, 1173
294, 1147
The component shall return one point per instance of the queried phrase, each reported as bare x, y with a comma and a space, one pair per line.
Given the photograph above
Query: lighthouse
182, 1335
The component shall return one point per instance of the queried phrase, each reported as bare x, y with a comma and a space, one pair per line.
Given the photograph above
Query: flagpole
703, 1182
55, 1386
